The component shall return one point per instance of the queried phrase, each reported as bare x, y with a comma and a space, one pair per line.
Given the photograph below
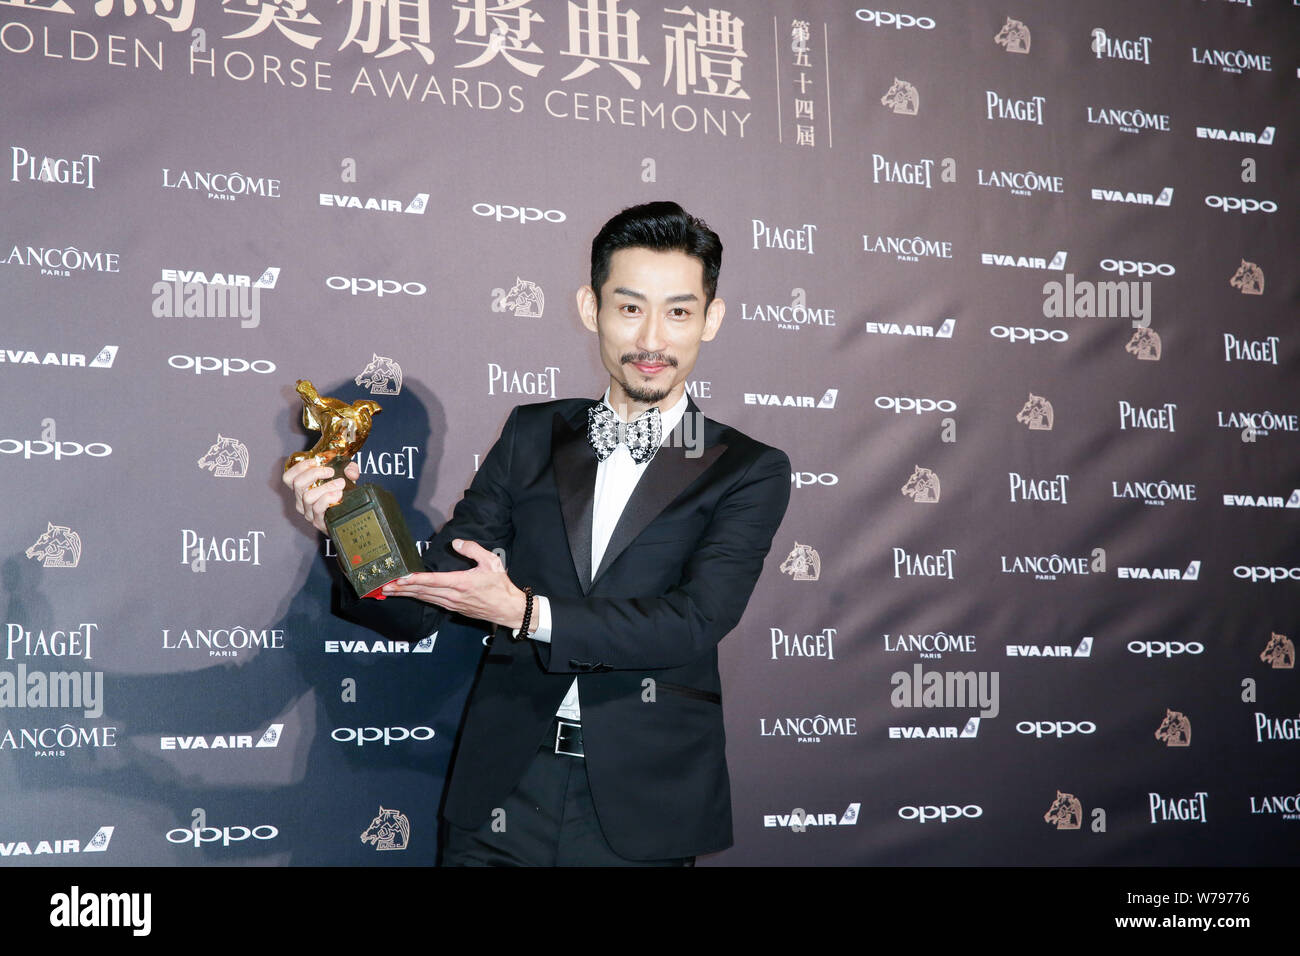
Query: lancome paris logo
1254, 423
62, 263
793, 317
1014, 37
389, 830
1051, 567
1128, 120
57, 742
382, 376
103, 359
228, 186
1233, 61
1279, 652
803, 563
225, 458
931, 646
223, 641
1020, 183
269, 738
808, 730
1155, 492
524, 299
58, 547
1286, 808
793, 401
908, 248
27, 166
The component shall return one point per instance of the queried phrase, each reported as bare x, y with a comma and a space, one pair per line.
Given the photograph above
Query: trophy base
371, 539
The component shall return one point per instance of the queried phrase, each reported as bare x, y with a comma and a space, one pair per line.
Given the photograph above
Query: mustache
648, 358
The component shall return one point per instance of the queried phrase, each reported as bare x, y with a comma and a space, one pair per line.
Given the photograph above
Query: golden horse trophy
370, 536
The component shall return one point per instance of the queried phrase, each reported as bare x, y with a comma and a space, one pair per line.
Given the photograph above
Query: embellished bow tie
642, 435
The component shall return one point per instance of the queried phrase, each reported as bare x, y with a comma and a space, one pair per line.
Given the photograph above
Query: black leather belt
568, 737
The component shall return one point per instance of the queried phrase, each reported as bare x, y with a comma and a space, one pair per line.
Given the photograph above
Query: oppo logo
918, 405
1017, 333
521, 213
370, 735
380, 287
1256, 573
942, 814
223, 835
1240, 204
801, 478
1055, 728
59, 449
1165, 648
226, 366
896, 20
1129, 267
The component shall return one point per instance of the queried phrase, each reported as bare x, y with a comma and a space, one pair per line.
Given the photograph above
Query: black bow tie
642, 435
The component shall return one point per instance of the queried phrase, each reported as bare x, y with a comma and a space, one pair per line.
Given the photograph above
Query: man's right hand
311, 502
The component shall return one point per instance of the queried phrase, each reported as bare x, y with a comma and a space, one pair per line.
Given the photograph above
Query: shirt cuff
542, 612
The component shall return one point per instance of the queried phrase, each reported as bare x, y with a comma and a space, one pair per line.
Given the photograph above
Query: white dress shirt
616, 479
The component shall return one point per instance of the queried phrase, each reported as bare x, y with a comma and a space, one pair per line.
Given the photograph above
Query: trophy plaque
370, 537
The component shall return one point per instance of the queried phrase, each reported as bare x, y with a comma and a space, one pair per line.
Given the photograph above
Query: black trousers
549, 820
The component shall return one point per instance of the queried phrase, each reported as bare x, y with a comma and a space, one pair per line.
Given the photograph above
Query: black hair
663, 227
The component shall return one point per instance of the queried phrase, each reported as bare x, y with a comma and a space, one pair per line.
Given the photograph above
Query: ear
713, 319
587, 307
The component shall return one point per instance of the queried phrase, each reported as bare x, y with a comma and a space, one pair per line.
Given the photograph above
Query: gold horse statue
343, 428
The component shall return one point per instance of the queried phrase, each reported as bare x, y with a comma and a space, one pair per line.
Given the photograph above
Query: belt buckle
568, 738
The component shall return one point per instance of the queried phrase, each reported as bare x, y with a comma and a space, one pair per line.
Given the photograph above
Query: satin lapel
666, 477
574, 464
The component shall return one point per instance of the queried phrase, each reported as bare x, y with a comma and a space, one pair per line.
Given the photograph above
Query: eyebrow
632, 293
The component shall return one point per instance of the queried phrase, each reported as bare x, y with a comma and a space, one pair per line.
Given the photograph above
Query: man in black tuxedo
635, 530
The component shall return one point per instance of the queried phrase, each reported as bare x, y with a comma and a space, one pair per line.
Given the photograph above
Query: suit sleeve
482, 515
598, 634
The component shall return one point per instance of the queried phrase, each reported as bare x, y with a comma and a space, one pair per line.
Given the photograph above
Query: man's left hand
483, 592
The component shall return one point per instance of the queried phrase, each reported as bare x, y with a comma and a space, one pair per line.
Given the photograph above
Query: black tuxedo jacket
640, 636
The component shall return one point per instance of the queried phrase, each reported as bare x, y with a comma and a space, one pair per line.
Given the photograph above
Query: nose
651, 336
